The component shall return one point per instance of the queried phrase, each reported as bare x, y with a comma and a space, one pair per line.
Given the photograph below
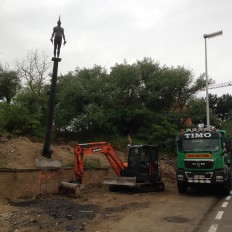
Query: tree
35, 69
125, 86
13, 118
157, 129
167, 88
9, 84
222, 106
142, 99
227, 125
81, 96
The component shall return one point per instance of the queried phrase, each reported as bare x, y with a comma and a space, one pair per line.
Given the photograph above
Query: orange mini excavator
141, 171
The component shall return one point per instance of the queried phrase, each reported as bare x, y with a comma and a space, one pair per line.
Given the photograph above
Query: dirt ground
97, 209
21, 152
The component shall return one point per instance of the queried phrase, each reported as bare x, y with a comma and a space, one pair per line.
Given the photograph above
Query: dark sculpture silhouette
58, 34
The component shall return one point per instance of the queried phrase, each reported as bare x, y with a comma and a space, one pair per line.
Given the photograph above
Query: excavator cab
142, 171
143, 163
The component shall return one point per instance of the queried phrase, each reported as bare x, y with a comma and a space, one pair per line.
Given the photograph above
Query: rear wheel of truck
226, 188
182, 187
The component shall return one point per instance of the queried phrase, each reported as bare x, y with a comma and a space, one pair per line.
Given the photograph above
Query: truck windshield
198, 144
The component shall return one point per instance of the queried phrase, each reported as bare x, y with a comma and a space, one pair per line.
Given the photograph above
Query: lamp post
208, 36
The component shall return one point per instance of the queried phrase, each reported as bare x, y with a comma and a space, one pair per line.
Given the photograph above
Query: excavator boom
96, 148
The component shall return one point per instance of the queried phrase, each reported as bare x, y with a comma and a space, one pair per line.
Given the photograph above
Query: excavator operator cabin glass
133, 160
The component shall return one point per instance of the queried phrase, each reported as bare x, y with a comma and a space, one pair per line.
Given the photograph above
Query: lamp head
211, 35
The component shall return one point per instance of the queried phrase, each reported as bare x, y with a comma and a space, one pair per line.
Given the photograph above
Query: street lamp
208, 36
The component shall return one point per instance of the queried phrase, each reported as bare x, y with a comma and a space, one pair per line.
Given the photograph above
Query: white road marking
213, 228
224, 204
219, 215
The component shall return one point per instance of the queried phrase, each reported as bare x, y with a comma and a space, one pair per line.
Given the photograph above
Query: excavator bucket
120, 180
72, 189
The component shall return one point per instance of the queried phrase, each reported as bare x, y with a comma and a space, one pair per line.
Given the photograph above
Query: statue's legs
55, 47
58, 50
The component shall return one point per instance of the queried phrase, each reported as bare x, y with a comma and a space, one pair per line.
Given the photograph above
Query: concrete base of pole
43, 163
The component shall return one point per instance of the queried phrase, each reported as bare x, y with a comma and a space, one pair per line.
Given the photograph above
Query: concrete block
44, 163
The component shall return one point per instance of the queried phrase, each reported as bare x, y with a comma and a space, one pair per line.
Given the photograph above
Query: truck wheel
160, 187
227, 188
182, 187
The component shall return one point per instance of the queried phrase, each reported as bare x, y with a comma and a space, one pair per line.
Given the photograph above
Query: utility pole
208, 36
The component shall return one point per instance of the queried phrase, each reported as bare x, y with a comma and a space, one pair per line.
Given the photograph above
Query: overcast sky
105, 32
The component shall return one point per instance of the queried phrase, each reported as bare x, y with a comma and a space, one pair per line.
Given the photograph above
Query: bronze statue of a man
58, 33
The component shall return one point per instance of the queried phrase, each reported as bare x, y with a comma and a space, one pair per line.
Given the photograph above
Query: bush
92, 163
15, 119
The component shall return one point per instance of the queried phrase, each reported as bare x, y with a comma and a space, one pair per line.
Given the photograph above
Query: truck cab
203, 157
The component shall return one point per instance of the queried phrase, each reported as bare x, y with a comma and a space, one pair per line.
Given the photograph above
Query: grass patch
92, 163
3, 164
69, 164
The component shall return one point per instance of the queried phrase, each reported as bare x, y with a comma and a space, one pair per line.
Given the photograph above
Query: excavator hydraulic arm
92, 148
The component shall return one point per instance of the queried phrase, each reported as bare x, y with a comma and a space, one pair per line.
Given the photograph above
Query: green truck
203, 157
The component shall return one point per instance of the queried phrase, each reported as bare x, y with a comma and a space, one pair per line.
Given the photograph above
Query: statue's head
59, 22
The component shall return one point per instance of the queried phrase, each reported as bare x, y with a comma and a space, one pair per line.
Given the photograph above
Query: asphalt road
220, 218
196, 211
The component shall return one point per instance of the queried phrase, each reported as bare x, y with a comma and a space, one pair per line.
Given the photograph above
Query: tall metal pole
47, 142
208, 36
207, 88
